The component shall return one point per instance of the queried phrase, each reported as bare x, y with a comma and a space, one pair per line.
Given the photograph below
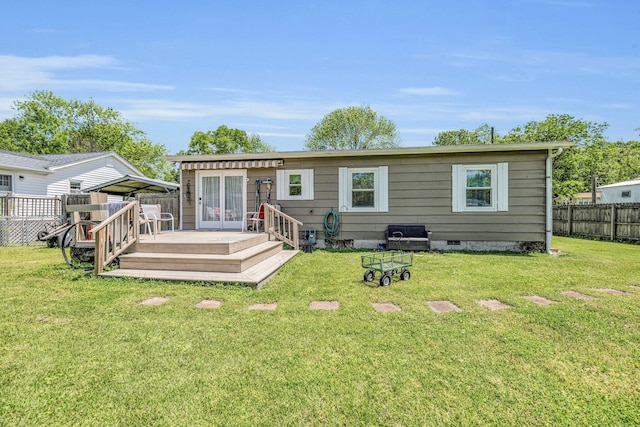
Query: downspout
549, 186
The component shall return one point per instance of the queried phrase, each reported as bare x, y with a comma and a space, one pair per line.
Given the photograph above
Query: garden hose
331, 226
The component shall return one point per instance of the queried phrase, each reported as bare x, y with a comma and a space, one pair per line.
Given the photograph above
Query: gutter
549, 187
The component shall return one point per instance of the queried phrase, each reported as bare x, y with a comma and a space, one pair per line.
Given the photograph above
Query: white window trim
12, 178
381, 188
499, 188
282, 184
76, 181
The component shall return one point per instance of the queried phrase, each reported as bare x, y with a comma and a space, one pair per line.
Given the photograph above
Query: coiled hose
331, 227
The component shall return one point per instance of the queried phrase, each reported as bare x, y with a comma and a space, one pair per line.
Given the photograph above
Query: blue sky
276, 68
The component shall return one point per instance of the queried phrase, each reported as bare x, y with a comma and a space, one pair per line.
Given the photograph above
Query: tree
224, 140
47, 124
573, 168
482, 135
352, 128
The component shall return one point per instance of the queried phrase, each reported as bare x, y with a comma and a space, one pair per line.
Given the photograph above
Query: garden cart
387, 264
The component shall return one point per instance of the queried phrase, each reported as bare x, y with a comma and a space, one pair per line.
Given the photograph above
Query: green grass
77, 350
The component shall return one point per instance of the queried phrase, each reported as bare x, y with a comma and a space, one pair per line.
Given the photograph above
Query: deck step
203, 243
256, 275
235, 262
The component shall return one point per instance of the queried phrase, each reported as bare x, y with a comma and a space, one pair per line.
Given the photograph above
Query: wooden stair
204, 257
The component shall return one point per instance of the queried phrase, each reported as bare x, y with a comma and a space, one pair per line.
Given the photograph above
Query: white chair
152, 214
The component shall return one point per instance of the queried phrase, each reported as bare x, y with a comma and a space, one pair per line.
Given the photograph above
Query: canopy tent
129, 185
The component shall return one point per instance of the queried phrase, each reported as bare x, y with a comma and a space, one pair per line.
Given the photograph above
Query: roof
433, 149
21, 161
133, 184
47, 163
621, 184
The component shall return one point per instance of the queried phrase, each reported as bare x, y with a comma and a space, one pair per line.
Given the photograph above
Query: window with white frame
6, 183
75, 186
480, 188
294, 184
363, 189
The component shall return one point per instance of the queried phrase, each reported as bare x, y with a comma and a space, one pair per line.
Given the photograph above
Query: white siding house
621, 192
58, 174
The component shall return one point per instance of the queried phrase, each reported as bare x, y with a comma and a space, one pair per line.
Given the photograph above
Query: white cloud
429, 91
161, 109
19, 74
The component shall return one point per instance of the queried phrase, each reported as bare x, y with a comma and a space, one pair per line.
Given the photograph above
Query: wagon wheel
405, 275
77, 256
369, 275
385, 280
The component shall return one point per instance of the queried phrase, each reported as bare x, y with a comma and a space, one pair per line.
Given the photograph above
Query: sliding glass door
221, 199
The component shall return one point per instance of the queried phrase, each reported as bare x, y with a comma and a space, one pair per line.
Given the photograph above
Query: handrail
281, 226
115, 235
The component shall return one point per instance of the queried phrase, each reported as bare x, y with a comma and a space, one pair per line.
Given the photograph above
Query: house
58, 174
621, 192
475, 197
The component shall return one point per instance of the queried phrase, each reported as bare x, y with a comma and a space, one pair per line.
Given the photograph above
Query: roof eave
25, 169
466, 148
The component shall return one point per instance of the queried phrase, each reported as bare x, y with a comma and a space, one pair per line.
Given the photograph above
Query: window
363, 189
480, 188
294, 184
626, 194
75, 187
5, 183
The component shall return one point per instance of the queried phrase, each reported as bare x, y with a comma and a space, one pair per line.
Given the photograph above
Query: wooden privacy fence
600, 221
169, 203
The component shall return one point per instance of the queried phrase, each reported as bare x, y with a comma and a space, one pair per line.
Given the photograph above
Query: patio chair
152, 214
257, 218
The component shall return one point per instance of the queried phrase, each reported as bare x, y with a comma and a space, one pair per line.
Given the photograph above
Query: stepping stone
612, 291
494, 304
539, 300
154, 301
270, 306
385, 307
209, 303
443, 306
324, 305
578, 295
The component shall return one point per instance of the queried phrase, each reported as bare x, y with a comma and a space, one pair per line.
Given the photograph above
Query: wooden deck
204, 256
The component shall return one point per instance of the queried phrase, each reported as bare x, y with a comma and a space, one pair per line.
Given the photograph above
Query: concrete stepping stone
612, 291
494, 304
385, 307
265, 307
577, 295
539, 300
209, 303
324, 305
154, 301
443, 306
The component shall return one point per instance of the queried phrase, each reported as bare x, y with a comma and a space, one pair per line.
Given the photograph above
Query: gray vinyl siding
419, 193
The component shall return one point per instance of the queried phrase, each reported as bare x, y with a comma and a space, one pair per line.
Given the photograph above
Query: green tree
573, 168
482, 135
48, 124
224, 140
352, 128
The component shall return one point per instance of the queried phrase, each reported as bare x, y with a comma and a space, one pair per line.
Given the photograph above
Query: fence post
569, 220
613, 222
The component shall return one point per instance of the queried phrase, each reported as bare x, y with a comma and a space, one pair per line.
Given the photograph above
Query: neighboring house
621, 192
586, 198
58, 174
477, 197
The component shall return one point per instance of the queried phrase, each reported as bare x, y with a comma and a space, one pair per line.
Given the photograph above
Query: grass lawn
75, 349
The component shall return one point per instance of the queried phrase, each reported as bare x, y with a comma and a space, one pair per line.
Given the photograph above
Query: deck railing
281, 226
115, 234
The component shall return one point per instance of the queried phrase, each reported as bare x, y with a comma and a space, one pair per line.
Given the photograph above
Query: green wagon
387, 264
